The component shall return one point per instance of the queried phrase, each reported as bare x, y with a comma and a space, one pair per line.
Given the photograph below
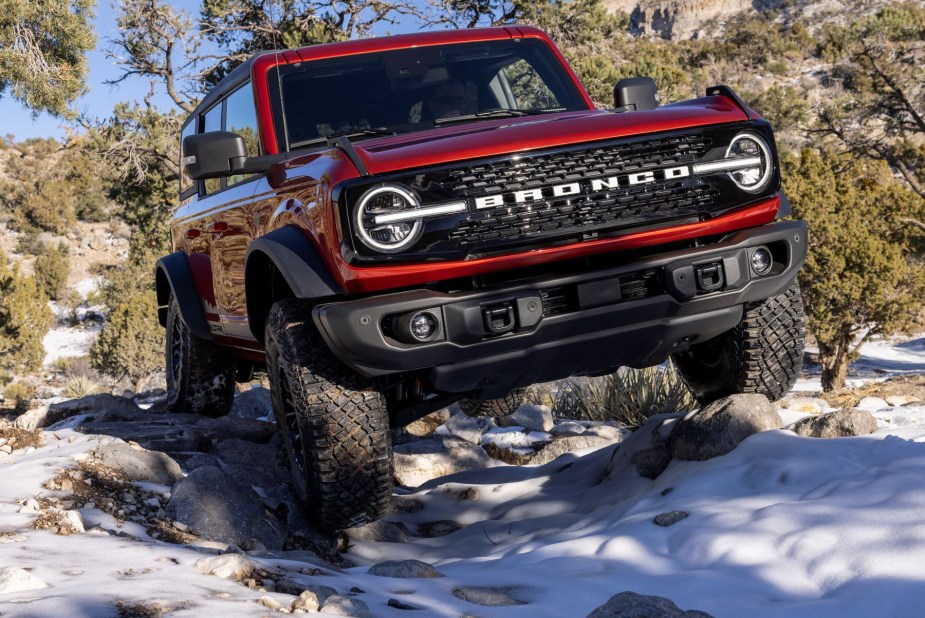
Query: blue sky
100, 99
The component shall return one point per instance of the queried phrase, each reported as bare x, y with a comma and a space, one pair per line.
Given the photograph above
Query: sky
100, 98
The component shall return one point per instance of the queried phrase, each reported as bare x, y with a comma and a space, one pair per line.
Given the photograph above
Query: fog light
762, 261
423, 326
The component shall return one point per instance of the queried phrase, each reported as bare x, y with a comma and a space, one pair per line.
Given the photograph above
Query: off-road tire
200, 374
333, 423
762, 354
494, 408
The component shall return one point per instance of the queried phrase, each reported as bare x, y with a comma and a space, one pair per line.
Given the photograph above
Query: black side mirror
635, 94
213, 155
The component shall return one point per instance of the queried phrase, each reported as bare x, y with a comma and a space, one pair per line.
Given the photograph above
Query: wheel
762, 354
334, 425
495, 408
200, 374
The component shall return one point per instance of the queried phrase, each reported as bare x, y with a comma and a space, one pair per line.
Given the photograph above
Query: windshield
420, 88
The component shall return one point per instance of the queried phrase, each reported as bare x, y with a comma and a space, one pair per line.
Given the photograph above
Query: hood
492, 138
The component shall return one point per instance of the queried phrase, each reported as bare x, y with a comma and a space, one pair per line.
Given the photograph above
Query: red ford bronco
394, 224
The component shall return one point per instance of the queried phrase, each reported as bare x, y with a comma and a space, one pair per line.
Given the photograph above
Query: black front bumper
589, 323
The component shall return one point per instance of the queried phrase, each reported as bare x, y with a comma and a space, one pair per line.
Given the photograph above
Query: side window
528, 88
241, 118
212, 121
185, 183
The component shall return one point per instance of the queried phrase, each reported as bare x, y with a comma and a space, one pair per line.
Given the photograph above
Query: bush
20, 394
24, 320
629, 396
52, 267
131, 344
51, 207
80, 386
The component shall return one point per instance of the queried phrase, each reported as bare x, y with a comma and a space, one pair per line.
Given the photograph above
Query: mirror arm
255, 165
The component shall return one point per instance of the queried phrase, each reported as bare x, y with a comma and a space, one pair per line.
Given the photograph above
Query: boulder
379, 531
632, 605
489, 596
513, 455
568, 428
404, 569
872, 404
838, 424
13, 579
719, 427
215, 506
901, 400
106, 407
345, 606
647, 451
252, 404
535, 418
427, 425
307, 601
670, 518
469, 428
557, 448
138, 464
226, 566
420, 461
443, 527
32, 419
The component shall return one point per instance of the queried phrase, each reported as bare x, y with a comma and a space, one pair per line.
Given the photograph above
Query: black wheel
762, 354
200, 374
495, 408
334, 425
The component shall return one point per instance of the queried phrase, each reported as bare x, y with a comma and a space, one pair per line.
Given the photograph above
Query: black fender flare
172, 273
296, 259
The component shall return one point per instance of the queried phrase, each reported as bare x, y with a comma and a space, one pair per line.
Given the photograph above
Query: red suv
391, 225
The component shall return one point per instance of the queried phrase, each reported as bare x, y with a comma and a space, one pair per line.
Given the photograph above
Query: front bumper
591, 323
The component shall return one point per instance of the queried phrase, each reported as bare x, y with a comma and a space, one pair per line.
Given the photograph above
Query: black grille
589, 211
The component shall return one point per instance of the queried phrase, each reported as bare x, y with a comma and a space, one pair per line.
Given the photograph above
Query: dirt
20, 438
906, 386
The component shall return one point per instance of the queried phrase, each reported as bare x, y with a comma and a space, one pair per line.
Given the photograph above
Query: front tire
200, 374
333, 423
762, 354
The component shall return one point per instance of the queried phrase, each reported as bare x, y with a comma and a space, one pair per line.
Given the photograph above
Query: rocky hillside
697, 19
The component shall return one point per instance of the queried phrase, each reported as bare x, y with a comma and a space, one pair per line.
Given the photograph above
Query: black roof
235, 78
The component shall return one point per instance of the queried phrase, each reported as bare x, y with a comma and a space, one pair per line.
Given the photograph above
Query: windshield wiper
376, 132
492, 113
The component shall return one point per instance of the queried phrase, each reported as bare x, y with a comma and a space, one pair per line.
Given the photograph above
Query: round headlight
750, 147
385, 218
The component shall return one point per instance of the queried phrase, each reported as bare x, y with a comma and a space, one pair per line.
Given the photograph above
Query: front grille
584, 213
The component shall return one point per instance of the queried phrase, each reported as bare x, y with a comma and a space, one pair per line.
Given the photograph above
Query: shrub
24, 320
20, 394
52, 267
51, 207
131, 344
80, 386
629, 396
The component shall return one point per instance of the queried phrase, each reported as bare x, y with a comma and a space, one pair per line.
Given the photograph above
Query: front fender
173, 275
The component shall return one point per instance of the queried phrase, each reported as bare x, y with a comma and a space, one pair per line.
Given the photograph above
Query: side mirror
635, 94
213, 155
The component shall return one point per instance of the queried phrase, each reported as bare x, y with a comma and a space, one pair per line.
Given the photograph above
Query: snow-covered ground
880, 359
782, 526
73, 335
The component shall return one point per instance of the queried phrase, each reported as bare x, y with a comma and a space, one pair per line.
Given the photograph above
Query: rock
252, 404
74, 520
560, 447
719, 427
839, 424
427, 425
404, 569
226, 566
379, 531
227, 428
214, 505
344, 606
420, 461
901, 400
807, 405
537, 418
670, 518
568, 428
872, 404
106, 407
647, 451
32, 419
13, 579
270, 603
469, 428
307, 601
139, 464
614, 434
488, 597
513, 455
632, 605
435, 529
400, 604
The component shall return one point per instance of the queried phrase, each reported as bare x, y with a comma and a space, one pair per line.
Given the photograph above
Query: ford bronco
391, 225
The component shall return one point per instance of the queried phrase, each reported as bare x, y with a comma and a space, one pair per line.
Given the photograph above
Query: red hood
504, 136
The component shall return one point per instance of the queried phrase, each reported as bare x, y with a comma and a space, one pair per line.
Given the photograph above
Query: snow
782, 526
880, 359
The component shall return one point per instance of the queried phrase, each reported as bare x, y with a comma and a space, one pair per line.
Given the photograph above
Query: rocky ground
145, 513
